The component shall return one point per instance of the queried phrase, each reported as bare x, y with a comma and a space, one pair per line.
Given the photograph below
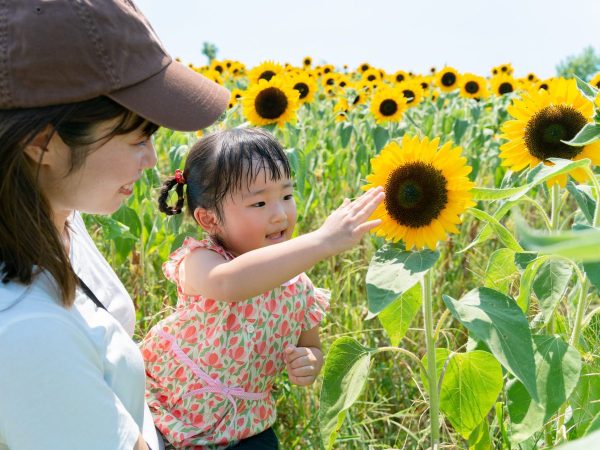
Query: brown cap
65, 51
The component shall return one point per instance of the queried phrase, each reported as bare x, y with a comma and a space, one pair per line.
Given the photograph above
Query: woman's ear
37, 148
207, 219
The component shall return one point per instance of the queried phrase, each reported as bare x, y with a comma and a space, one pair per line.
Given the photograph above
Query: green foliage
496, 320
345, 374
583, 65
557, 372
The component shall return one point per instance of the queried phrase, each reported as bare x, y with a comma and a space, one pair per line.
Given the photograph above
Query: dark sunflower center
271, 103
388, 107
364, 67
267, 75
415, 194
371, 77
307, 62
503, 68
598, 84
544, 86
505, 88
219, 69
342, 84
472, 87
399, 77
551, 125
302, 88
424, 85
410, 95
356, 100
448, 79
330, 82
327, 70
531, 77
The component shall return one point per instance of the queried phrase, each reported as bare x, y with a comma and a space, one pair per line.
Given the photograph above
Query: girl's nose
278, 214
149, 156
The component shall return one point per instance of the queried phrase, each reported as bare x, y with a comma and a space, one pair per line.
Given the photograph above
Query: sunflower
363, 67
412, 91
595, 81
399, 76
388, 104
426, 189
273, 101
341, 109
542, 120
371, 75
305, 85
265, 71
473, 86
503, 84
448, 79
211, 75
307, 61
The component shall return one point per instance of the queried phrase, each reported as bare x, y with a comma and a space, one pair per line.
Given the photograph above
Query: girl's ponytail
178, 180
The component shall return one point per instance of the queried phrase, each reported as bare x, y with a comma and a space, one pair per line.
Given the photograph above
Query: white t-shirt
70, 378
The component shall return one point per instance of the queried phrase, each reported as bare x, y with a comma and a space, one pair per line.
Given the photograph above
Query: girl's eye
288, 197
143, 142
259, 204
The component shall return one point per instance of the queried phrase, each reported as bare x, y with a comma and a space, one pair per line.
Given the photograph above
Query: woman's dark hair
219, 164
28, 235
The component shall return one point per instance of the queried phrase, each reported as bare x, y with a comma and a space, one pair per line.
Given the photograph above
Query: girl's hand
344, 227
303, 364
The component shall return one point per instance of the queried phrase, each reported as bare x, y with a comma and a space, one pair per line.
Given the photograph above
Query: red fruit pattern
239, 344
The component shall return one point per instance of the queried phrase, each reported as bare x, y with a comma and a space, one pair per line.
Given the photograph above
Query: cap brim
176, 98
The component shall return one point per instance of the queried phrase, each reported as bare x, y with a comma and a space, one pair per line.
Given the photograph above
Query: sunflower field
470, 318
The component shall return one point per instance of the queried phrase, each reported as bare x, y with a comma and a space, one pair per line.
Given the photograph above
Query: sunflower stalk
431, 362
555, 208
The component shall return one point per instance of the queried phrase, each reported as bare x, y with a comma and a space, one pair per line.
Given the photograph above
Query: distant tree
209, 50
584, 64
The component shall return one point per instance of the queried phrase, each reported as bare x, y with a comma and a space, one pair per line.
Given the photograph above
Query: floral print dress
211, 364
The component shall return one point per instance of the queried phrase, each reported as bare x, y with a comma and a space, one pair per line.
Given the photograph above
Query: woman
83, 85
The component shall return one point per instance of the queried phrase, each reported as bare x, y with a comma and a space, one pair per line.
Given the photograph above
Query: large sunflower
473, 86
265, 71
447, 79
388, 104
426, 189
542, 120
273, 101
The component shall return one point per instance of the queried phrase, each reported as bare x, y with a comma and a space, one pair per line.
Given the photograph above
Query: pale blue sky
471, 35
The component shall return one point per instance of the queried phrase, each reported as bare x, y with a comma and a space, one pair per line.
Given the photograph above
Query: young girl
245, 309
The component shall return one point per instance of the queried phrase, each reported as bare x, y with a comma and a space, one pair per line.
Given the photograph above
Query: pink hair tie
179, 177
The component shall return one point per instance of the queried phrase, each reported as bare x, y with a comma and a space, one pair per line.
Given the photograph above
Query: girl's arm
209, 274
304, 362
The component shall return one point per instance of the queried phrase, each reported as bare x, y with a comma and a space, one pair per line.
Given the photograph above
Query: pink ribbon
212, 385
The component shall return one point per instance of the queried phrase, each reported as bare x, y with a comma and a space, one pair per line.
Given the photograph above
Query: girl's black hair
219, 164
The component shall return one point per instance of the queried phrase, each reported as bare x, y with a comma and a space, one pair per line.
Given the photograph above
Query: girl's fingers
304, 371
359, 203
367, 226
369, 207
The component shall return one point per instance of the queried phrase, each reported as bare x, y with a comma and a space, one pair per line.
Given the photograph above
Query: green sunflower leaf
587, 135
500, 270
398, 315
470, 388
558, 367
380, 137
501, 231
540, 173
497, 320
344, 376
392, 272
585, 200
588, 91
345, 130
587, 443
551, 284
527, 281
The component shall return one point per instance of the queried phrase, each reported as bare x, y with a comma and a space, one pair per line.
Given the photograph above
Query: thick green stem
434, 408
555, 213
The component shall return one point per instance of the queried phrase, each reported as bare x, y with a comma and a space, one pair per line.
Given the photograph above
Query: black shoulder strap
87, 291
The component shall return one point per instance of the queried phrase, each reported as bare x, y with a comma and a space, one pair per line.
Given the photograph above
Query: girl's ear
37, 148
207, 219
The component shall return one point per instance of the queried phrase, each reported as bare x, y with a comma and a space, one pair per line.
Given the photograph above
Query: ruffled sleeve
171, 266
317, 305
